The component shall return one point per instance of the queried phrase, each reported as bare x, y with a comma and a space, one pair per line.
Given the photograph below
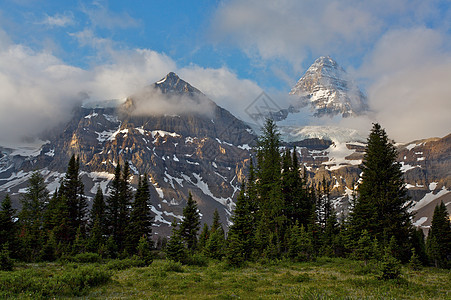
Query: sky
57, 54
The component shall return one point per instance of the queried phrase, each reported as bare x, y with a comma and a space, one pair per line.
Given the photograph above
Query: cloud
101, 17
411, 92
38, 90
294, 30
59, 20
224, 87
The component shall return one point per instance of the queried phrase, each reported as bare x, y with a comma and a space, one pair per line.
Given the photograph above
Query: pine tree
97, 224
241, 233
439, 238
112, 205
73, 190
175, 250
214, 246
382, 206
8, 228
190, 224
203, 237
34, 203
364, 249
140, 224
270, 197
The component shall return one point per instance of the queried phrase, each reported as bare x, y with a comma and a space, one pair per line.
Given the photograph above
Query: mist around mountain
186, 143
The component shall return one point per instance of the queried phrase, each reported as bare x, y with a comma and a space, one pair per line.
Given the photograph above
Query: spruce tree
270, 197
8, 228
214, 246
382, 206
73, 191
140, 224
241, 233
190, 224
203, 237
112, 205
97, 223
175, 249
125, 199
439, 238
34, 203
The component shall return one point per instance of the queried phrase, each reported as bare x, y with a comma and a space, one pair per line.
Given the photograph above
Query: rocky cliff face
204, 153
327, 89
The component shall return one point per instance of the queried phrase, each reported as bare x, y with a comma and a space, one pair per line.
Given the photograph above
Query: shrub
390, 268
196, 260
122, 264
173, 266
6, 263
87, 257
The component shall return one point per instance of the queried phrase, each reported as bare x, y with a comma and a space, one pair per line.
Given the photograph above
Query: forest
279, 221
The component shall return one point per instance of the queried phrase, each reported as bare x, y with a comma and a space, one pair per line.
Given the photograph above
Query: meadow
325, 278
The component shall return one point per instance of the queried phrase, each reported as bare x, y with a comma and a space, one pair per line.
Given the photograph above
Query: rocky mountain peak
328, 90
173, 84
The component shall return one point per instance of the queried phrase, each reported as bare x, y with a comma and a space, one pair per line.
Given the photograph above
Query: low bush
87, 257
122, 264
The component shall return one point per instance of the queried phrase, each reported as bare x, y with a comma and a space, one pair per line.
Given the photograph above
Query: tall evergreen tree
140, 224
112, 205
270, 197
34, 203
8, 228
190, 224
382, 206
125, 199
241, 233
73, 191
439, 238
97, 223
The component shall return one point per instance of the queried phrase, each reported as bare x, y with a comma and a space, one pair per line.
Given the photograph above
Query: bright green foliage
300, 247
364, 249
390, 267
143, 250
175, 249
190, 224
439, 238
414, 262
381, 207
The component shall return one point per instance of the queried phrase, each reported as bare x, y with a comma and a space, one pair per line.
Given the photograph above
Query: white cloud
101, 16
38, 90
59, 20
411, 91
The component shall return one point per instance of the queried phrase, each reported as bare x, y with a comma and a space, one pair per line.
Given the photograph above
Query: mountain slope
327, 89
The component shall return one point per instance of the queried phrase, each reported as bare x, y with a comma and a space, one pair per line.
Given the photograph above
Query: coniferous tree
272, 221
34, 202
140, 224
8, 228
73, 191
241, 233
190, 224
439, 238
382, 206
112, 205
175, 249
214, 246
203, 237
97, 223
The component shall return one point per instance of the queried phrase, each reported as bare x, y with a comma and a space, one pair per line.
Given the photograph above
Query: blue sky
55, 53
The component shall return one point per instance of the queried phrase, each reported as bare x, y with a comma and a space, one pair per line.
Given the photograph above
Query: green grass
323, 279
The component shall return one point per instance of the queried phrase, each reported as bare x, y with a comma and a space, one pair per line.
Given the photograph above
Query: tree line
277, 216
55, 226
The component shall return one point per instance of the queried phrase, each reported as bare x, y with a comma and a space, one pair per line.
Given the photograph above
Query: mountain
328, 90
204, 152
186, 143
